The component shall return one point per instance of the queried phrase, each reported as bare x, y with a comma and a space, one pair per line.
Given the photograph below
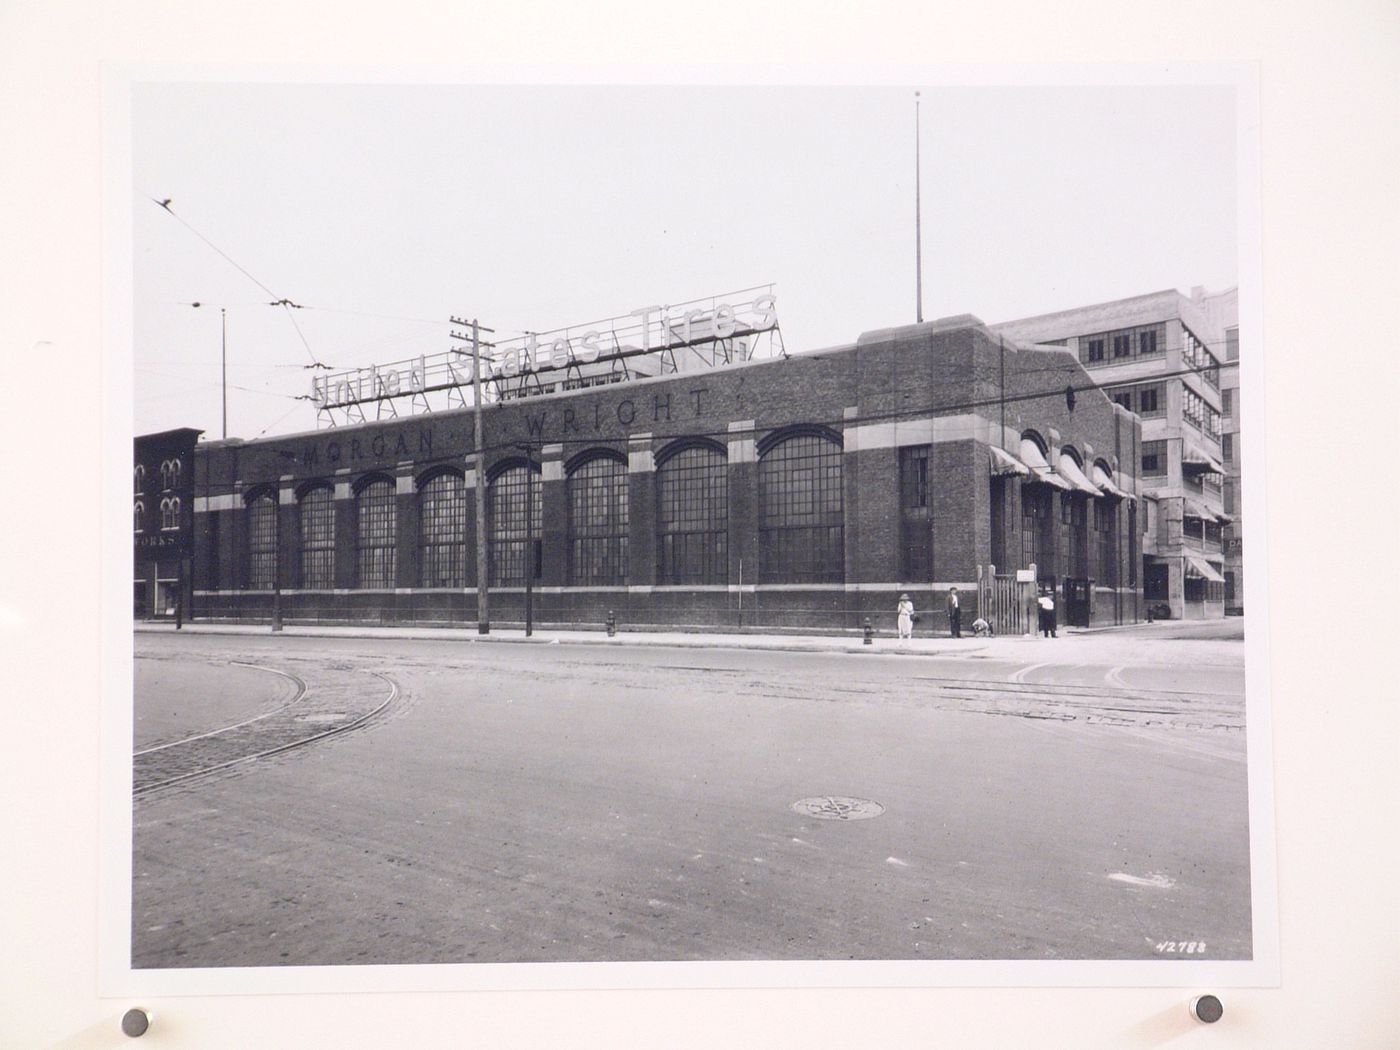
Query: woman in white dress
905, 610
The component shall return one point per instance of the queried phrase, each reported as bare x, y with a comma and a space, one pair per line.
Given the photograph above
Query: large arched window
376, 533
138, 477
318, 539
800, 527
170, 512
597, 490
170, 474
262, 542
692, 517
442, 535
138, 511
509, 525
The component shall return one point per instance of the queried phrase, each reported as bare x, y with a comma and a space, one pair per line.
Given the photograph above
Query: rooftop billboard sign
707, 332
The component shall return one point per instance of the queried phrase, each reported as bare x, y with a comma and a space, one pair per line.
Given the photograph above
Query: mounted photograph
792, 533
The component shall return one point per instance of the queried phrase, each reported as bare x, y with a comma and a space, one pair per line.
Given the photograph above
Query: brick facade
938, 385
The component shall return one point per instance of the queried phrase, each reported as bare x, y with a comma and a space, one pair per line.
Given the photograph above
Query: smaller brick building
163, 518
803, 492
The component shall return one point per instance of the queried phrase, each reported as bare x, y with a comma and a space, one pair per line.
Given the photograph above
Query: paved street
578, 798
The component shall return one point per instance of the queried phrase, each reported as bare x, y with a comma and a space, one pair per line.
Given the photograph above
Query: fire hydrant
612, 624
869, 632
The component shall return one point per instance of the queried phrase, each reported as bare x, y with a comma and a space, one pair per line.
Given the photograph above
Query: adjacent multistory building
1167, 357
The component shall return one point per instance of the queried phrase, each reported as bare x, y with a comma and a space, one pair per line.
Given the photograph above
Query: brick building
163, 518
801, 492
1160, 356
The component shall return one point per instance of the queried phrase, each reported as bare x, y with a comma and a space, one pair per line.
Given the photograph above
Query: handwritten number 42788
1181, 947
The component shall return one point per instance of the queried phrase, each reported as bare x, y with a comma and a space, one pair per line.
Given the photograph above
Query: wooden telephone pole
483, 598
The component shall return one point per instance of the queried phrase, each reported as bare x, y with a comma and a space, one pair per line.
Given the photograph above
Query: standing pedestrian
954, 613
905, 612
1047, 613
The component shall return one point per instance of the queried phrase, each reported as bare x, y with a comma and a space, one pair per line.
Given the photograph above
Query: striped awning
1070, 469
1200, 569
1193, 460
1032, 457
1004, 463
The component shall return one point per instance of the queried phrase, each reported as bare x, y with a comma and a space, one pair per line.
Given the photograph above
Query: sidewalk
1032, 648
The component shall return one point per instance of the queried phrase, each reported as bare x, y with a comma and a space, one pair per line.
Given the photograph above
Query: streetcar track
184, 777
301, 691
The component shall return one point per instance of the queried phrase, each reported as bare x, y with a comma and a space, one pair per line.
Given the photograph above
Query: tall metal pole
529, 541
223, 361
918, 223
483, 612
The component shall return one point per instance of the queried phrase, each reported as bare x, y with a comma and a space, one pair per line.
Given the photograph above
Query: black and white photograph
601, 523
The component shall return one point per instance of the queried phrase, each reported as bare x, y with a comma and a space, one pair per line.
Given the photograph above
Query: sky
384, 209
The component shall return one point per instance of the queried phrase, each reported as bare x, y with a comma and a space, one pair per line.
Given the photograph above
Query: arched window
318, 539
800, 527
442, 534
170, 512
692, 517
376, 533
138, 477
262, 542
597, 490
509, 525
138, 511
170, 474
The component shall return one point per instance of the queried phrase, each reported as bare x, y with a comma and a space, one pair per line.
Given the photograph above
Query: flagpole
918, 224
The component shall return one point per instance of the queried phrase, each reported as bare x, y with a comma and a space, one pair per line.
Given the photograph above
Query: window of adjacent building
262, 543
1154, 458
376, 534
318, 539
170, 512
1122, 345
1232, 344
1149, 340
1150, 400
1227, 447
1124, 397
1212, 531
1227, 403
1093, 349
801, 512
915, 524
138, 512
1193, 408
512, 524
597, 492
1229, 586
442, 531
692, 517
1228, 498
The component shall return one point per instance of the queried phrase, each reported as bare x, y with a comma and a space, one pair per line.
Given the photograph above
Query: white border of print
117, 978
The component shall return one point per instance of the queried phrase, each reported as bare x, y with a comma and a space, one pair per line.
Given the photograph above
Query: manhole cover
838, 807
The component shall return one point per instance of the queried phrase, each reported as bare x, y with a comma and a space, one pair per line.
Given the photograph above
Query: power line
282, 301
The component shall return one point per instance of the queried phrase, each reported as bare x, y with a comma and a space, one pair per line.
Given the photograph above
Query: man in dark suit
954, 613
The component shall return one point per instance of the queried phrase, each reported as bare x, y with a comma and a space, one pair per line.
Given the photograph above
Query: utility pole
918, 225
529, 539
483, 610
223, 365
